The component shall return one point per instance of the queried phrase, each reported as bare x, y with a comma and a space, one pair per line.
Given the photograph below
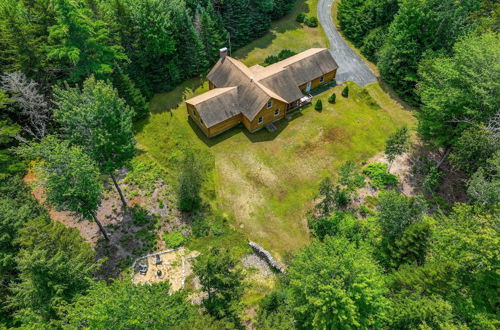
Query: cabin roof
240, 89
216, 105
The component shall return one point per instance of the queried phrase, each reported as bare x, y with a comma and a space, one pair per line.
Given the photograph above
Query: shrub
208, 226
345, 91
301, 17
379, 177
332, 98
140, 216
174, 239
311, 21
431, 181
319, 105
365, 211
284, 53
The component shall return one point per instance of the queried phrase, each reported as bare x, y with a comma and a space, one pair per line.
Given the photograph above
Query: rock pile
264, 254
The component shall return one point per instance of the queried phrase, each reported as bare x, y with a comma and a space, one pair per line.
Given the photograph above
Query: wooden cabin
258, 96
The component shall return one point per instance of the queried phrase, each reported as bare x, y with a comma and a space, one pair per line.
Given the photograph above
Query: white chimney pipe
223, 52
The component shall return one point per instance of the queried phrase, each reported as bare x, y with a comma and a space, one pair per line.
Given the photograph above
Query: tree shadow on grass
171, 100
282, 25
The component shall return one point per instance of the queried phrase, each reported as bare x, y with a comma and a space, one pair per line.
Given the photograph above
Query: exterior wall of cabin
267, 114
217, 128
196, 118
224, 125
210, 85
316, 82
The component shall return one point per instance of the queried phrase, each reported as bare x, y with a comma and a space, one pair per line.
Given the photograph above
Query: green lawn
285, 33
265, 182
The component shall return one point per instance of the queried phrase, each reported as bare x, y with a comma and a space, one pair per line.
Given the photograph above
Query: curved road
351, 67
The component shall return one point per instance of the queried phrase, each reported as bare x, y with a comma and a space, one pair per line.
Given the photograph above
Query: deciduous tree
334, 285
95, 118
397, 144
70, 177
124, 305
459, 90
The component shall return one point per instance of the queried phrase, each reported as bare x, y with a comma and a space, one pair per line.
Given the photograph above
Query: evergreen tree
17, 207
345, 91
132, 95
23, 37
100, 122
190, 181
212, 33
190, 49
413, 244
55, 264
81, 45
221, 278
319, 105
332, 99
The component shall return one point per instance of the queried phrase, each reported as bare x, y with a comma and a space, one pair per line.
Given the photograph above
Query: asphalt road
351, 67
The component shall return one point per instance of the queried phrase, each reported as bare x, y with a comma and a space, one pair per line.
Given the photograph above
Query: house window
269, 104
201, 121
261, 120
277, 112
321, 79
194, 114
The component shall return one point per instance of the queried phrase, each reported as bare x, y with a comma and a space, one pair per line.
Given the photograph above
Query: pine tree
345, 91
319, 105
332, 98
132, 95
80, 44
212, 33
190, 49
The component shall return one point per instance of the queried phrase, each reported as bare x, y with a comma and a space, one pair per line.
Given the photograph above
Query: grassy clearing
285, 33
266, 181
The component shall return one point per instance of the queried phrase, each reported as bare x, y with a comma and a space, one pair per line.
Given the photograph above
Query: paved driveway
351, 67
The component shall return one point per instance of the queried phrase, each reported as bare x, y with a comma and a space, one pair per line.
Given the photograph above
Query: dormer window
269, 104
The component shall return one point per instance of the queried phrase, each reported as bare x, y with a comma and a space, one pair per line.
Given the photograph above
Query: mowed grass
266, 182
285, 33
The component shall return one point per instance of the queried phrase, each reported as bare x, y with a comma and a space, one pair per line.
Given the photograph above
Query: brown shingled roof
240, 89
216, 105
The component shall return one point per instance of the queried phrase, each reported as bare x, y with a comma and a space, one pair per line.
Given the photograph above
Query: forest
76, 80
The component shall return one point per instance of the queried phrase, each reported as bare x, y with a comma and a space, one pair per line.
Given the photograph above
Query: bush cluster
310, 21
379, 177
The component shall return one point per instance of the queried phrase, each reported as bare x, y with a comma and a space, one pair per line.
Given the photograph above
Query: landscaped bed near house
265, 182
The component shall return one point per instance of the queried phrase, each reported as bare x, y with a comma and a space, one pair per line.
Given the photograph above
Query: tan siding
315, 83
225, 125
268, 114
196, 117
